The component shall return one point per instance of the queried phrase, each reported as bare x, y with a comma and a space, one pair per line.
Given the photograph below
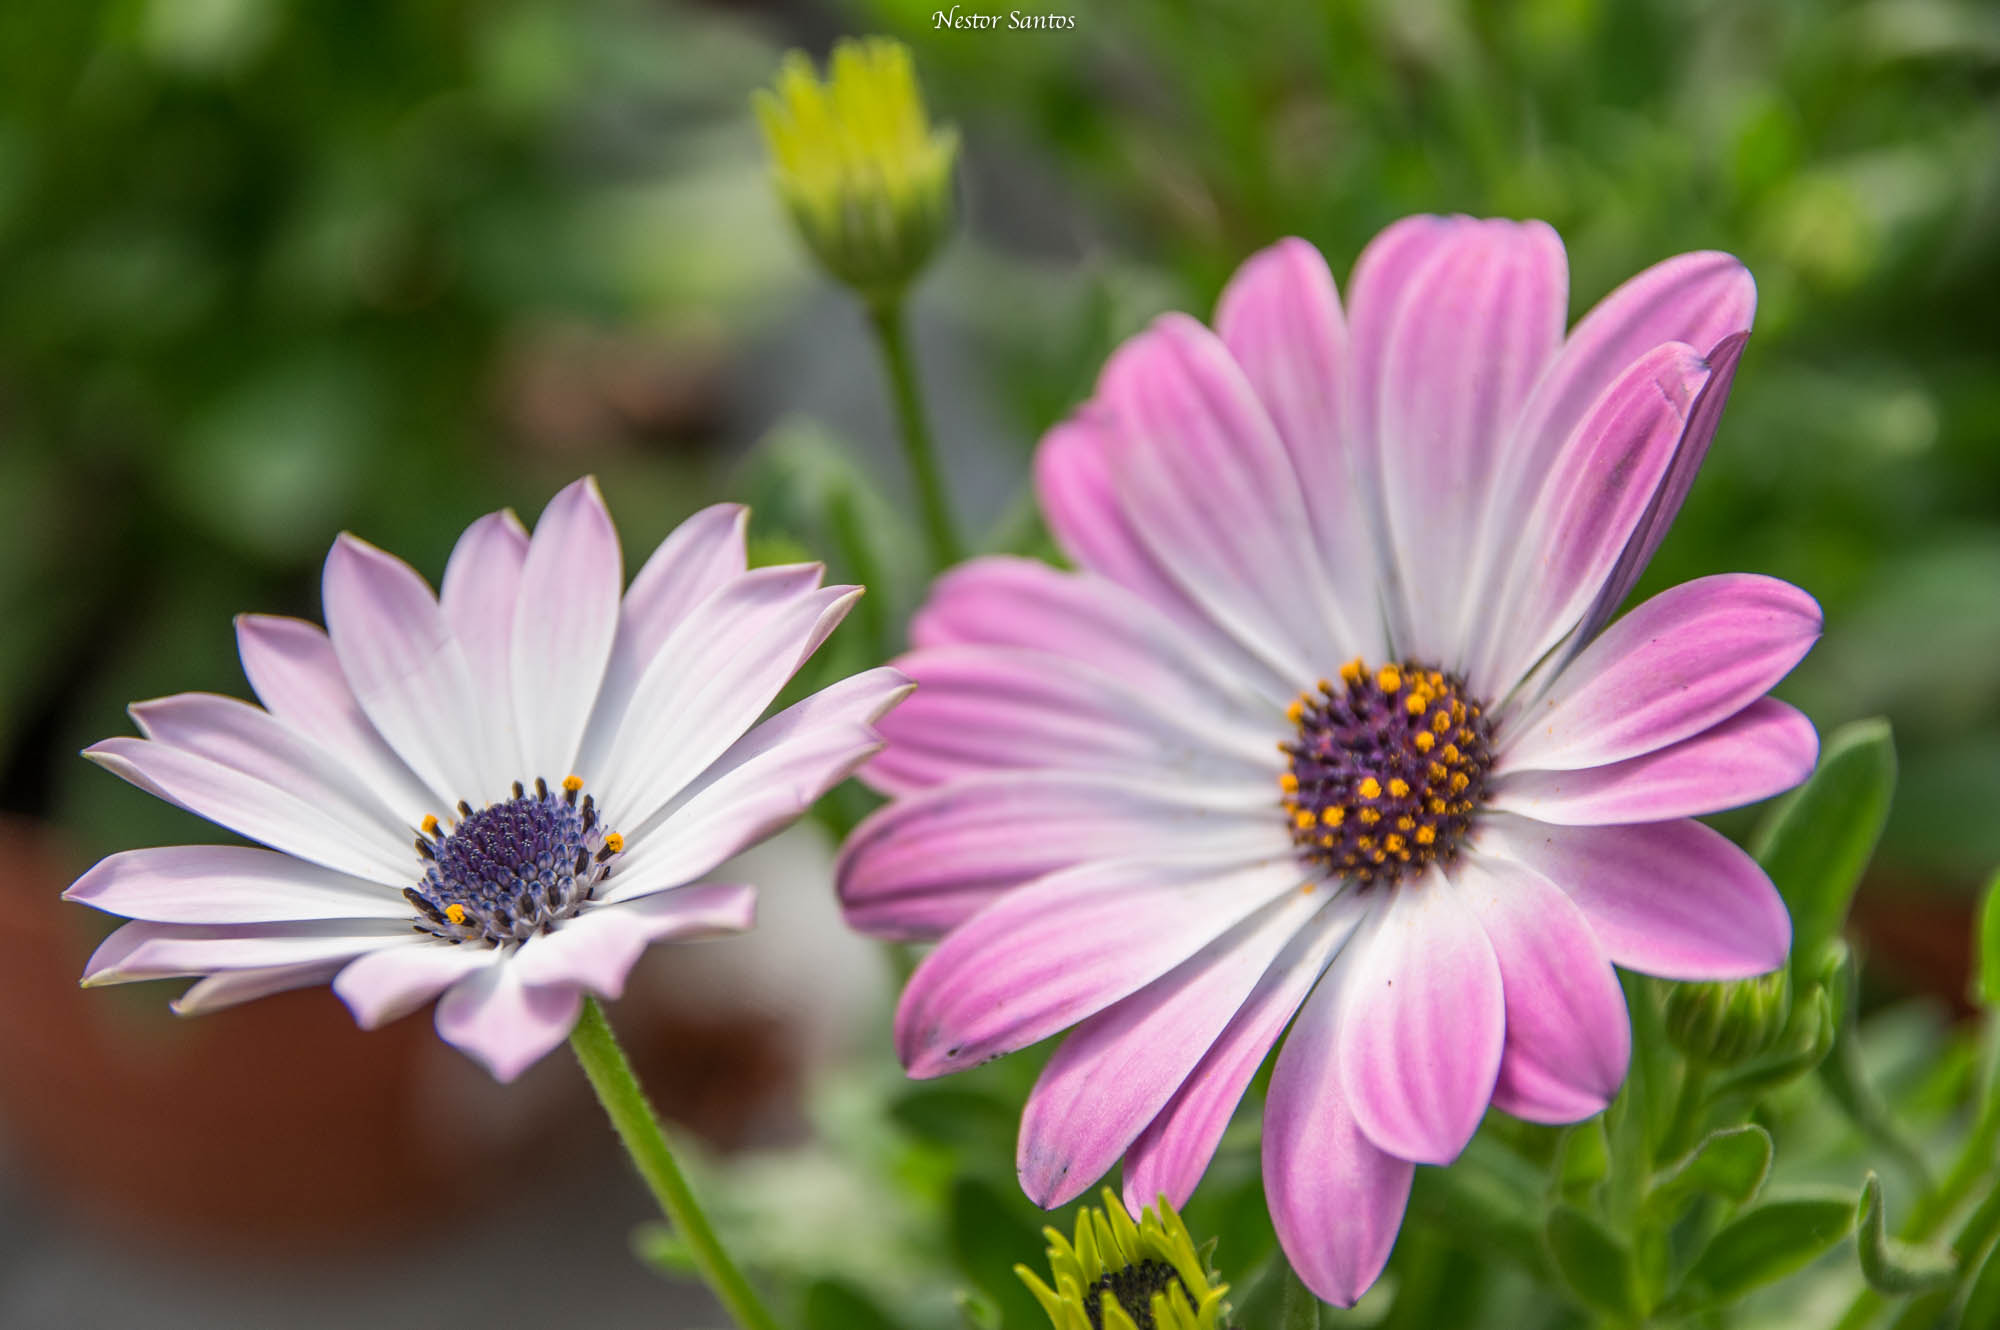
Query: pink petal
1336, 1198
228, 884
1477, 324
1117, 1070
1382, 274
252, 743
291, 666
985, 709
146, 950
1280, 318
697, 559
502, 1023
1173, 1152
1074, 479
1762, 750
232, 987
1568, 1037
1423, 1023
1598, 491
388, 984
407, 670
1688, 659
1012, 602
481, 588
254, 808
710, 681
1703, 418
1207, 485
562, 633
766, 780
1697, 299
1675, 899
925, 863
1042, 958
596, 950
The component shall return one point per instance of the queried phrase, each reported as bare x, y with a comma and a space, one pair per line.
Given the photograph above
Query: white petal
391, 982
505, 1025
563, 629
228, 884
482, 585
597, 949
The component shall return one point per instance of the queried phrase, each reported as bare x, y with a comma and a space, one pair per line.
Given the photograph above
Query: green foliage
1763, 1245
1893, 1266
1731, 1164
1596, 1266
1986, 963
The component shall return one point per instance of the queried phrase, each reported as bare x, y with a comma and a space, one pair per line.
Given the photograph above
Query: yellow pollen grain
1398, 787
572, 784
1369, 817
1288, 783
1436, 771
1425, 741
1465, 736
614, 842
1369, 788
1388, 678
1393, 843
1441, 722
1333, 817
1416, 704
430, 824
1426, 835
1350, 673
1405, 822
1434, 806
455, 912
1302, 819
1450, 754
1459, 780
1296, 712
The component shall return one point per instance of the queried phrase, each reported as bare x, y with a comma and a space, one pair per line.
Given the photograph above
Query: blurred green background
273, 268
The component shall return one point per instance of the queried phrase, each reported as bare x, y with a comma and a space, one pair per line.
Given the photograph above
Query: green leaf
1986, 963
1488, 1199
1892, 1266
656, 1244
1731, 1163
1595, 1265
1586, 1157
1763, 1245
1300, 1308
834, 1304
1982, 1298
978, 1311
1817, 842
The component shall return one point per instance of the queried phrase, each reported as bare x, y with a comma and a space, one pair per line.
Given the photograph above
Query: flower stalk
885, 316
625, 1103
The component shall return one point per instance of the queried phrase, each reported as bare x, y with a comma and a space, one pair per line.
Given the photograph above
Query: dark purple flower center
512, 869
1134, 1287
1386, 770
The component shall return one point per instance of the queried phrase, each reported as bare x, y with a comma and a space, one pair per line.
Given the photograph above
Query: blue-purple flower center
510, 870
1386, 772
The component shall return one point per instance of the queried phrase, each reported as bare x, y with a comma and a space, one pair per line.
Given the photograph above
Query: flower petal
1336, 1198
1173, 1152
228, 884
1477, 325
1686, 660
1117, 1070
984, 709
252, 808
1762, 750
1074, 480
478, 598
389, 983
146, 950
1044, 957
1568, 1037
1595, 497
1423, 1023
407, 670
710, 680
1674, 899
255, 744
596, 950
697, 559
1207, 485
925, 863
562, 633
505, 1025
1280, 318
291, 666
230, 988
766, 780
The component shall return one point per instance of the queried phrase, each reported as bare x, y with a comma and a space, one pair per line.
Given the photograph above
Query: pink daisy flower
500, 793
1333, 722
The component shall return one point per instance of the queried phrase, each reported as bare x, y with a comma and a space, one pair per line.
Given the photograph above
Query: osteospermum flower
1334, 720
500, 793
1121, 1275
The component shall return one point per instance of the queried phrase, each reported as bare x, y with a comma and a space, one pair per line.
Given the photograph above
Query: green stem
1690, 1113
886, 316
624, 1101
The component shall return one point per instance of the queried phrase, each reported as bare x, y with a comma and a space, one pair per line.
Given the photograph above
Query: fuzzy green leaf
1763, 1245
1597, 1266
1818, 841
1986, 971
1892, 1266
1731, 1163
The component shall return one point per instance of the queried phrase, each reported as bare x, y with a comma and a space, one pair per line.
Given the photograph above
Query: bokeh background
274, 268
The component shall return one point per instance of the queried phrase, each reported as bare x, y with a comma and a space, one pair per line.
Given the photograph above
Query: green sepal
1805, 1046
1595, 1264
1731, 1163
1986, 957
1893, 1266
1762, 1246
1816, 843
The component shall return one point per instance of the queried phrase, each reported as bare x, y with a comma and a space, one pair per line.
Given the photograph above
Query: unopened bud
1726, 1024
